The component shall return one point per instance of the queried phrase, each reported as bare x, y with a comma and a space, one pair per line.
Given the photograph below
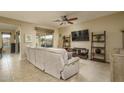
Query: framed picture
28, 38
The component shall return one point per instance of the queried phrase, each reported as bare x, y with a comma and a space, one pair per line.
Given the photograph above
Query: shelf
67, 37
102, 41
102, 54
98, 60
98, 35
98, 43
98, 47
66, 41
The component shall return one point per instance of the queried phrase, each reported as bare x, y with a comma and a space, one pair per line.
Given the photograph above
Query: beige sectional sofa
54, 61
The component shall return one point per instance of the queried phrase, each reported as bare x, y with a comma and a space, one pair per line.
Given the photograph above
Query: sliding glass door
45, 40
49, 40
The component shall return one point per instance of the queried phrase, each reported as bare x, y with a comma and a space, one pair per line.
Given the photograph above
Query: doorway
6, 42
9, 38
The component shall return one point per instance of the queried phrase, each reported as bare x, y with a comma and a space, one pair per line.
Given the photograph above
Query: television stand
80, 52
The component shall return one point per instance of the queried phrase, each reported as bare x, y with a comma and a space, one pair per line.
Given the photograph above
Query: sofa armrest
69, 55
73, 60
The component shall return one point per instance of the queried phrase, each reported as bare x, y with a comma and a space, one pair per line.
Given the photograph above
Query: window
6, 40
44, 40
44, 37
6, 35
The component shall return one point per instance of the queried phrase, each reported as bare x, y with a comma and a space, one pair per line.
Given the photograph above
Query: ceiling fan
64, 20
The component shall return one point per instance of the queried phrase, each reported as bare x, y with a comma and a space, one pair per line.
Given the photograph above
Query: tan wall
56, 38
113, 24
0, 40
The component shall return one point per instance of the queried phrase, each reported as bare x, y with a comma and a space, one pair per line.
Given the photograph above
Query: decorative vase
98, 51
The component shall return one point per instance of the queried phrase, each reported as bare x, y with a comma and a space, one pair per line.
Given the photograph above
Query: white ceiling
4, 26
46, 18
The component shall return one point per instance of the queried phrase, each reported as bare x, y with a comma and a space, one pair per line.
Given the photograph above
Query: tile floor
14, 70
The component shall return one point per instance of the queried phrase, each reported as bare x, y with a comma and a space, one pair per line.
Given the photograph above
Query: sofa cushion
69, 55
60, 51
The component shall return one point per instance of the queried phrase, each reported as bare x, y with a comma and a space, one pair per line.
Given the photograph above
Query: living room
61, 46
37, 37
112, 24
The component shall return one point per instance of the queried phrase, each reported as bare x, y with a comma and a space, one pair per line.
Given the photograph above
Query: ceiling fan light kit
65, 20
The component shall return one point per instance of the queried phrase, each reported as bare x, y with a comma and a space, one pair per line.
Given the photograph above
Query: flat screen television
82, 35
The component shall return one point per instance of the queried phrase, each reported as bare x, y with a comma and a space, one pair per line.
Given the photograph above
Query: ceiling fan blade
70, 22
71, 19
61, 24
57, 20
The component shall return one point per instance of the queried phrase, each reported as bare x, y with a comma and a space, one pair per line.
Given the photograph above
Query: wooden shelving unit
66, 41
98, 47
